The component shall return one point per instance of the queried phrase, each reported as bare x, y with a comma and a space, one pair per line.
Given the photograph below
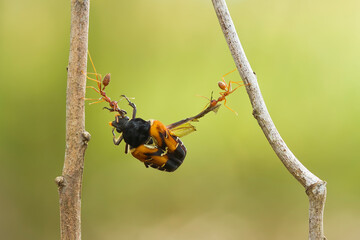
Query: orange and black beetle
153, 143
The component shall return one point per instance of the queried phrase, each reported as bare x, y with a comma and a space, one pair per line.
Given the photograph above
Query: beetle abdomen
163, 150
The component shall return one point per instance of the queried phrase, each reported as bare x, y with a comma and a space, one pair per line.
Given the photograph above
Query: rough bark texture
315, 187
69, 183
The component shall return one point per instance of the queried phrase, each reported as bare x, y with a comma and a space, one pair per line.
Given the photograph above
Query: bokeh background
164, 53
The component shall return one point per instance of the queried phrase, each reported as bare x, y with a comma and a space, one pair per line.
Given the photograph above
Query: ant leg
93, 88
117, 141
228, 92
239, 83
110, 109
223, 77
229, 108
131, 105
92, 73
224, 95
95, 80
229, 86
228, 74
91, 99
92, 63
96, 74
206, 106
102, 100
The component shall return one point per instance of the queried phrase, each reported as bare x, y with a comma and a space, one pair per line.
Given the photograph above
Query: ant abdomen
222, 85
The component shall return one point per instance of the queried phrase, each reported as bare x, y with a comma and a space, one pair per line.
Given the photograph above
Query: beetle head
119, 123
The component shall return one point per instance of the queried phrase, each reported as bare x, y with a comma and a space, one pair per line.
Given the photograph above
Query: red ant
228, 90
100, 89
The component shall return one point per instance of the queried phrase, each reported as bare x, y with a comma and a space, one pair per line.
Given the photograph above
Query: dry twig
69, 183
315, 187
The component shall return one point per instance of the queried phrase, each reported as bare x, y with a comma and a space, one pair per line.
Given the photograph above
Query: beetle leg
117, 141
131, 105
126, 148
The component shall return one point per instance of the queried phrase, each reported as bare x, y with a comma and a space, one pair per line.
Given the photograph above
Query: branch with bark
70, 182
314, 186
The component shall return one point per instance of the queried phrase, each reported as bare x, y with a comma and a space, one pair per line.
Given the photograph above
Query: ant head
213, 103
119, 123
222, 85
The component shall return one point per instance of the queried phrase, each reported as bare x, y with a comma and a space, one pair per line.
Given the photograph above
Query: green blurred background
164, 53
